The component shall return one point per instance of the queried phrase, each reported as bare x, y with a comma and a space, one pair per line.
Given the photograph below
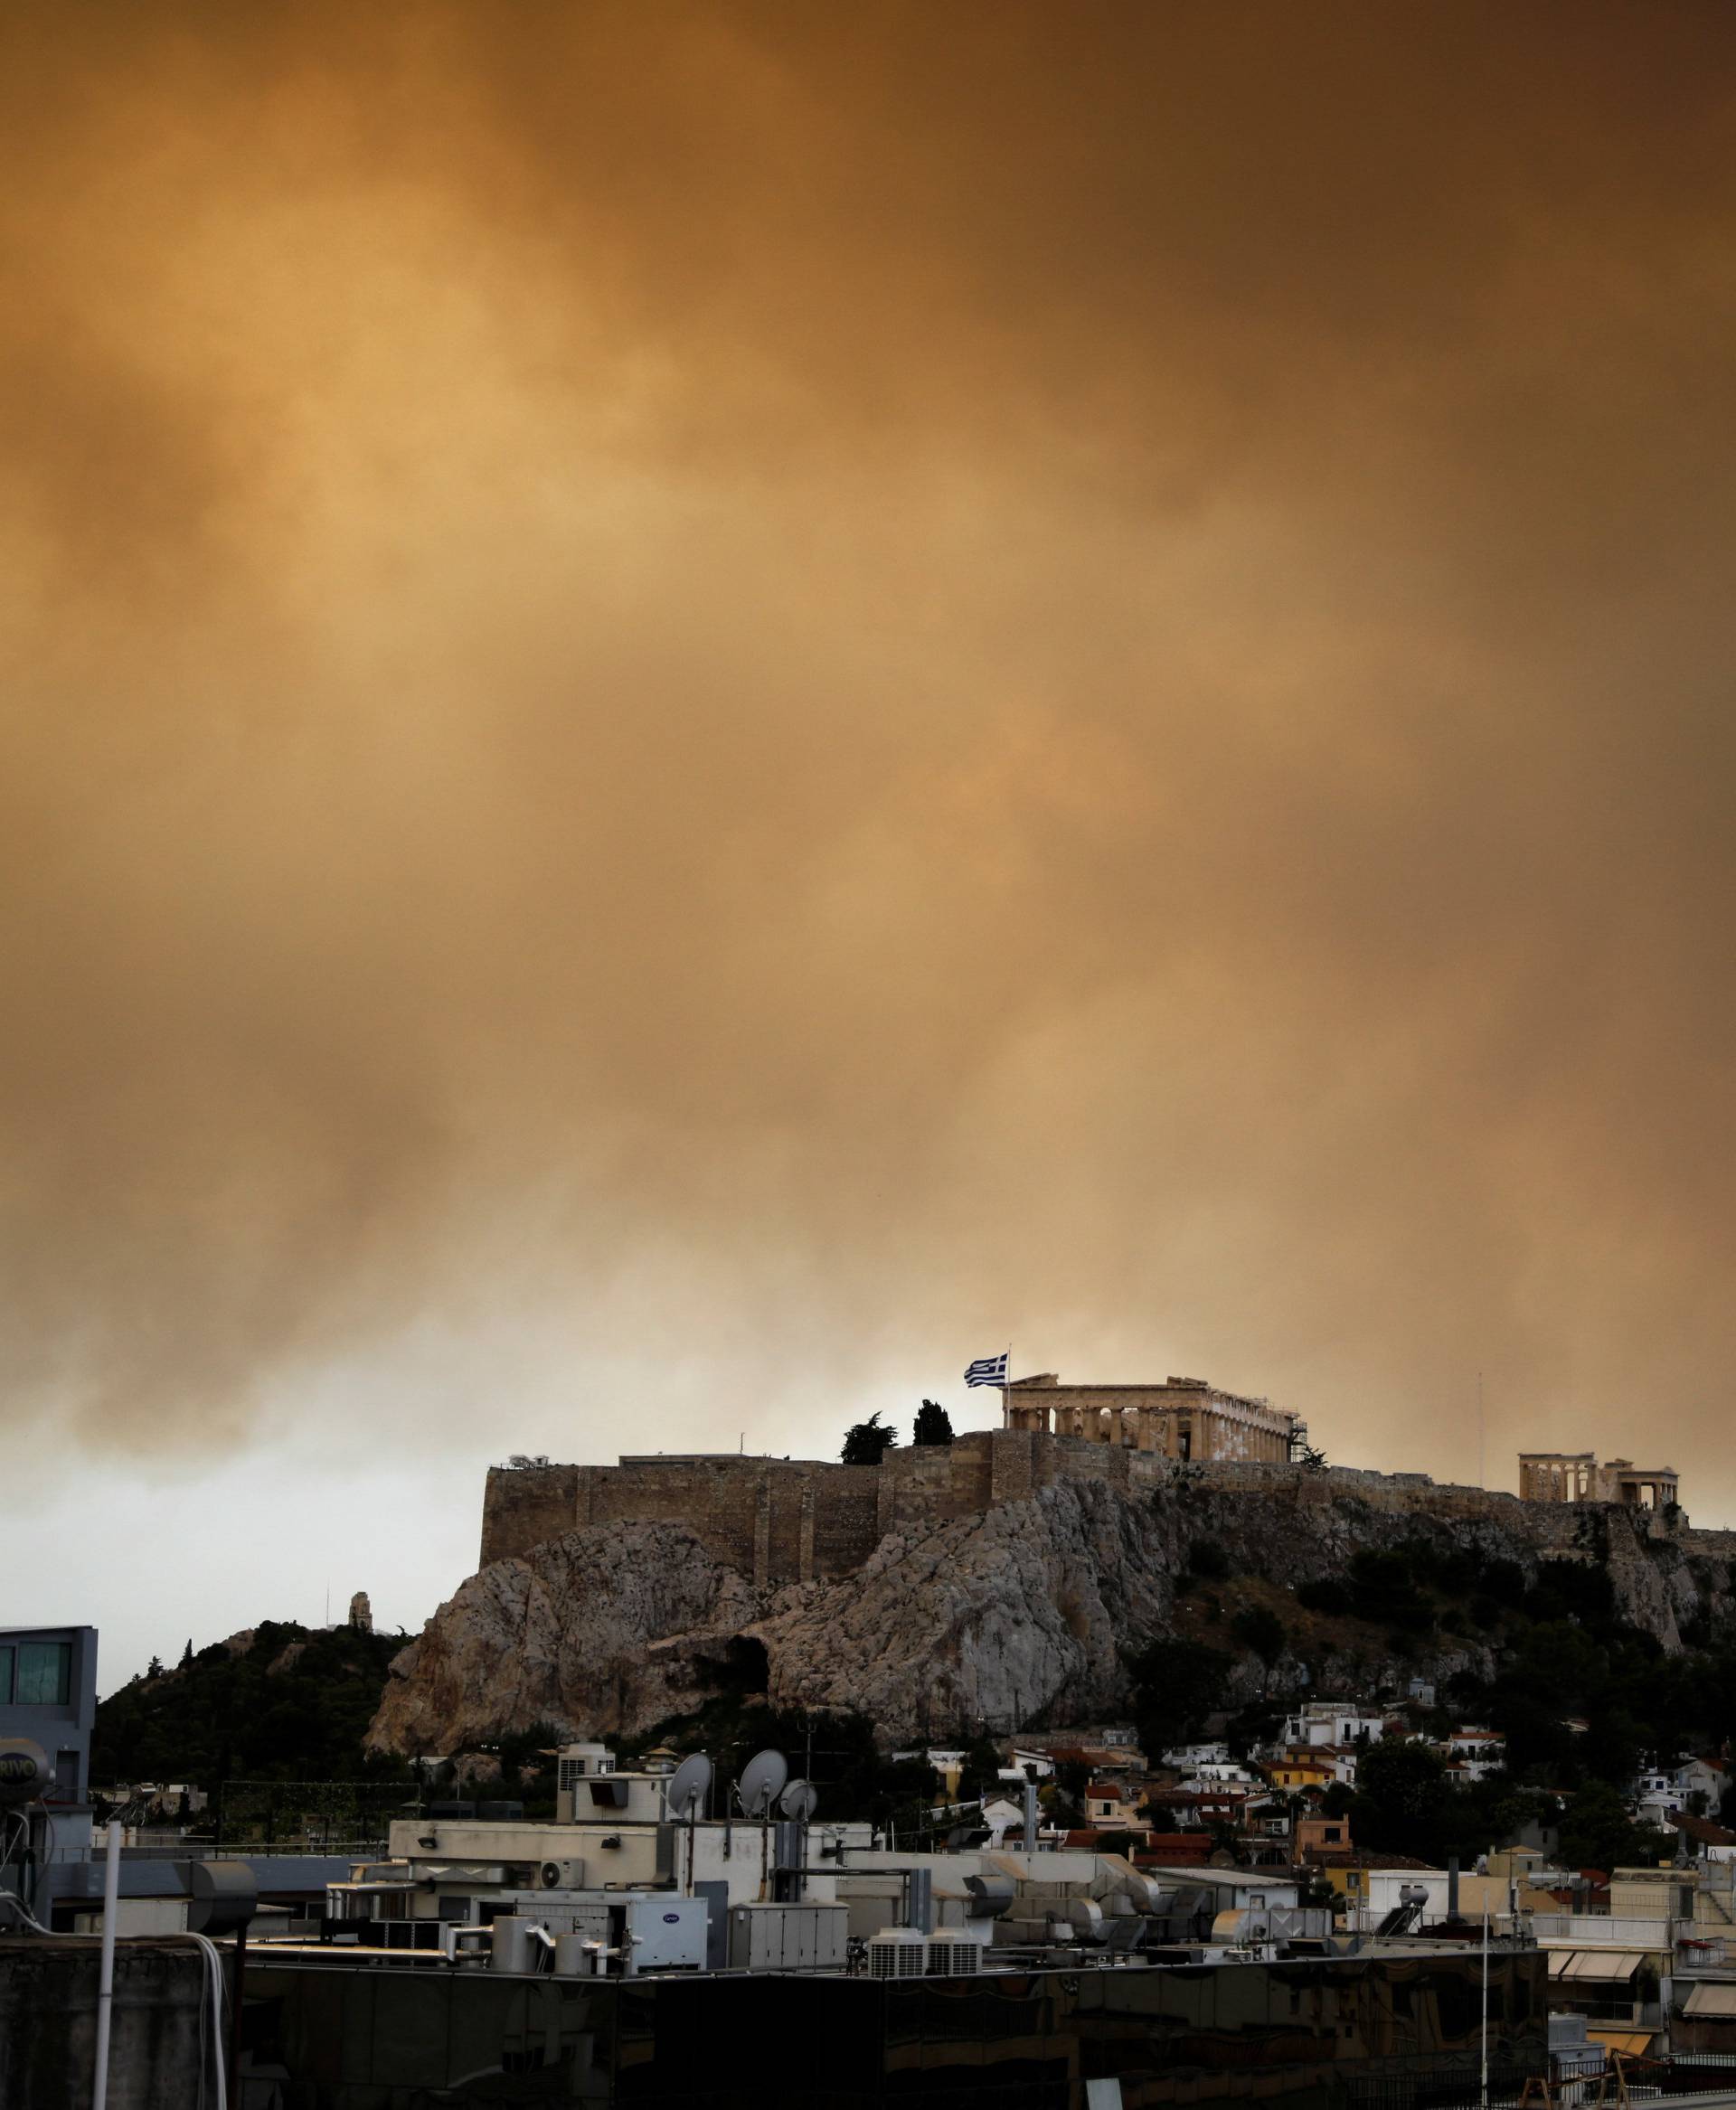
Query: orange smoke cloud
755, 675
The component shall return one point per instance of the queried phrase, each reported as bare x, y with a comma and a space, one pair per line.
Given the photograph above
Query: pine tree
933, 1424
153, 1668
186, 1654
867, 1442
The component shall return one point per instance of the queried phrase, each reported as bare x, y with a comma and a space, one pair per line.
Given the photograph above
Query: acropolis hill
1007, 1577
779, 1520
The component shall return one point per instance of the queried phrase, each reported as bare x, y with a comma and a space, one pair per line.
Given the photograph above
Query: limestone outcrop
568, 1636
1026, 1610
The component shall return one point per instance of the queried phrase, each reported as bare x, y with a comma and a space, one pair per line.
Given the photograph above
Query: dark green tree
1176, 1685
1615, 1744
1384, 1590
186, 1654
933, 1424
1251, 1727
1064, 1803
867, 1442
1597, 1831
1403, 1799
1260, 1628
980, 1774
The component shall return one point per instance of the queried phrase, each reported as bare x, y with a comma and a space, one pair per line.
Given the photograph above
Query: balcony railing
1629, 2014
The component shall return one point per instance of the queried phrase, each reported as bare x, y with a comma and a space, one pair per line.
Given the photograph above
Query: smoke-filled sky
708, 706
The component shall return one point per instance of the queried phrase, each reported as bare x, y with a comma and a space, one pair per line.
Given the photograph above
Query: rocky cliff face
607, 1628
1027, 1611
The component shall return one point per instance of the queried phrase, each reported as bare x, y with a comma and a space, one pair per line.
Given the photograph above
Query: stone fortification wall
522, 1505
774, 1520
780, 1520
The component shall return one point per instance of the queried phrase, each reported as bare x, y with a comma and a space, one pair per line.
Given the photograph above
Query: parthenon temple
1184, 1418
1576, 1476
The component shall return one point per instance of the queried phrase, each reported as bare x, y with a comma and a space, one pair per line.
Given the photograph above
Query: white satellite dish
687, 1786
760, 1780
800, 1801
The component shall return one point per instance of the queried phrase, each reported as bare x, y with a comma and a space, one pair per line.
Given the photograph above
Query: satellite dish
760, 1780
800, 1801
687, 1786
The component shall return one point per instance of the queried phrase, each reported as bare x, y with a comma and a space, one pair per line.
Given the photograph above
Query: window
5, 1677
44, 1673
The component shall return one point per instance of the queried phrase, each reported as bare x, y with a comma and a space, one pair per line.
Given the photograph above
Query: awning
1710, 2000
1601, 1963
1635, 2043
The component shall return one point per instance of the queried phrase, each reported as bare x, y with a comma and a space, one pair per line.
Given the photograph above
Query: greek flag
987, 1370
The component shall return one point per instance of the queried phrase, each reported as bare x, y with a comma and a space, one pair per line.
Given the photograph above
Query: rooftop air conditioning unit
561, 1875
897, 1951
952, 1953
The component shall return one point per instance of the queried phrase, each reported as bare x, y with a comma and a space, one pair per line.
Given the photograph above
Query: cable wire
215, 1975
